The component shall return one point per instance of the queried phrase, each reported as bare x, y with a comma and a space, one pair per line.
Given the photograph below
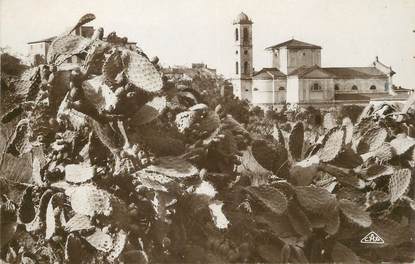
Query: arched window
236, 34
246, 70
236, 52
245, 52
237, 68
336, 87
354, 87
282, 88
246, 34
373, 87
316, 87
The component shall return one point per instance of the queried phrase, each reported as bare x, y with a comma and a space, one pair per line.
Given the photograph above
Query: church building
296, 75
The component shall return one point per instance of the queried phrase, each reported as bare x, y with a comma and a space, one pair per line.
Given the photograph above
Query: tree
257, 111
10, 64
351, 111
239, 109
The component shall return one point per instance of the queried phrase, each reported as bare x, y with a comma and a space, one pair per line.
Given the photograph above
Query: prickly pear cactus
130, 168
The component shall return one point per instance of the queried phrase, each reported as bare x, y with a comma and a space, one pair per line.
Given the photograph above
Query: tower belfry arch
243, 69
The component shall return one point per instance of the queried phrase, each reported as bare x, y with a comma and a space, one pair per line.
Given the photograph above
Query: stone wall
293, 93
306, 94
262, 91
242, 89
303, 57
363, 85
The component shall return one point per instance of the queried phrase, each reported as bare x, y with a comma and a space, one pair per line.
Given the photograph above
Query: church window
373, 87
336, 87
354, 87
316, 87
282, 88
245, 34
237, 68
236, 34
246, 67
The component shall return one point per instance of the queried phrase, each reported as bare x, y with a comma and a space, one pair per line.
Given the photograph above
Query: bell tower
242, 68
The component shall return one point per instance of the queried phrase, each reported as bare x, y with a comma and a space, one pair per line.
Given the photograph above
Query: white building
296, 75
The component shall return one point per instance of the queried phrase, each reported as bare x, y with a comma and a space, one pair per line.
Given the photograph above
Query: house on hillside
296, 75
38, 49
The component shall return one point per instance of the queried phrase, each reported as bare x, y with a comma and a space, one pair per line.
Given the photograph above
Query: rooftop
303, 70
369, 97
264, 74
355, 72
342, 72
294, 44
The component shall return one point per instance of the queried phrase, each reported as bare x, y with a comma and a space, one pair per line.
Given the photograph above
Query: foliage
257, 111
11, 65
351, 111
260, 126
239, 109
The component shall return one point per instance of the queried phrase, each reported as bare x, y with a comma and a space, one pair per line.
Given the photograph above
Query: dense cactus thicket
126, 169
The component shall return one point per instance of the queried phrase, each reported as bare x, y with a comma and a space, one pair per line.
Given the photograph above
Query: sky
181, 32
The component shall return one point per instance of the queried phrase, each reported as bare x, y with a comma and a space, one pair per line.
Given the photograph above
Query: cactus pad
269, 197
91, 201
78, 223
399, 184
355, 213
296, 141
314, 199
64, 47
402, 143
332, 145
141, 72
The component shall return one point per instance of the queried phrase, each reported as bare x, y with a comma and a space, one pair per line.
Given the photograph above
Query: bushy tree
10, 65
239, 109
351, 111
257, 111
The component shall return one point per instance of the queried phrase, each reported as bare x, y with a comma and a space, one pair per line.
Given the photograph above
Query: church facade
296, 75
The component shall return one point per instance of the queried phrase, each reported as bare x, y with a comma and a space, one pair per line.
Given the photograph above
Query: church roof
294, 44
264, 74
369, 97
342, 72
242, 18
303, 70
355, 72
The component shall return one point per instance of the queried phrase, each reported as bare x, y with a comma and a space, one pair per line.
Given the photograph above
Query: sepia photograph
207, 131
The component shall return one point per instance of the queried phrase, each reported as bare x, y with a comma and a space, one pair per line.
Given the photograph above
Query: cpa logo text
372, 238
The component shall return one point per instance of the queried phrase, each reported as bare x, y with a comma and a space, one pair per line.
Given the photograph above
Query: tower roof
294, 44
242, 18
